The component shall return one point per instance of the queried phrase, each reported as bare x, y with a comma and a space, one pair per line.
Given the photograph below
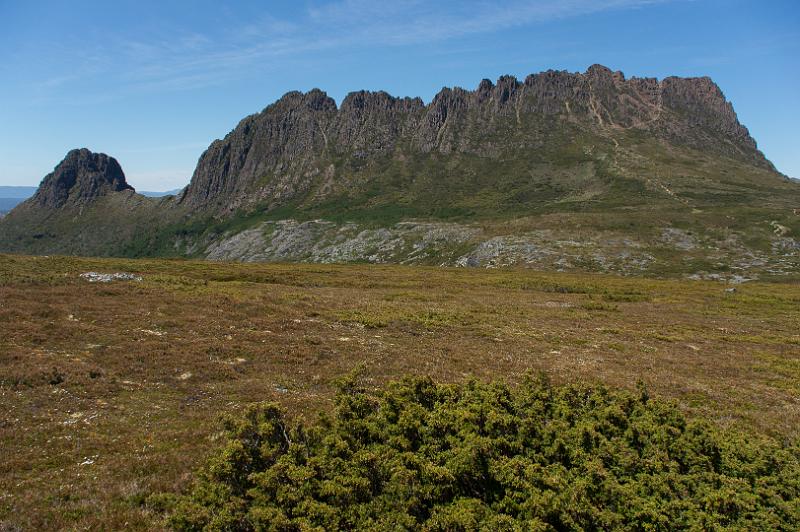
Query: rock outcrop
81, 177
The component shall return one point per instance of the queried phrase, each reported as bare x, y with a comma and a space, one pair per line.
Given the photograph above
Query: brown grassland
111, 392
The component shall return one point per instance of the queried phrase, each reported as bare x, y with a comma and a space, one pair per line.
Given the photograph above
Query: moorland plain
110, 392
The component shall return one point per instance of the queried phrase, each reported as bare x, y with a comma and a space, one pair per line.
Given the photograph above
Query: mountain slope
562, 170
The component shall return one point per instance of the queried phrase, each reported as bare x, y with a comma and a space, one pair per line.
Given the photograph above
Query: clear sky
153, 83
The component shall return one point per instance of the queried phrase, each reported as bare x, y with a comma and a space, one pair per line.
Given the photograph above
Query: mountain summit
561, 170
80, 178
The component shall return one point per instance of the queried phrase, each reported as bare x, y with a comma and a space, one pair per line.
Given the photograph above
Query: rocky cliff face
80, 178
304, 142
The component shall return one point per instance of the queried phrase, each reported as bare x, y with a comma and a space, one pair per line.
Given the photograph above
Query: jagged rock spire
79, 178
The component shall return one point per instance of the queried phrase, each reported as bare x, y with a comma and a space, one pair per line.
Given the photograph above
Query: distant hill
6, 204
151, 194
17, 192
10, 197
567, 171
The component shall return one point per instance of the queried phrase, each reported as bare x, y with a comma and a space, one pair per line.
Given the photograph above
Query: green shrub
475, 456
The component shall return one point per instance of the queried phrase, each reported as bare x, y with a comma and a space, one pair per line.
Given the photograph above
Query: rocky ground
450, 244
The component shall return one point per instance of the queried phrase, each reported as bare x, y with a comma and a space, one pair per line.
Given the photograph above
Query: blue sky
153, 83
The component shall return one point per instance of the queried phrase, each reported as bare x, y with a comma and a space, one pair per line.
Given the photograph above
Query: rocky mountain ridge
575, 171
280, 153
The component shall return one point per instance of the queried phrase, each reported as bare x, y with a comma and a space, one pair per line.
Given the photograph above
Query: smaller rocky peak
507, 81
365, 100
355, 100
447, 102
505, 88
599, 71
450, 96
602, 75
484, 90
318, 100
81, 177
485, 86
289, 98
315, 100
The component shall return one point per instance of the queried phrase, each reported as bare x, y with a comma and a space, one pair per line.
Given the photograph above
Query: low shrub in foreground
474, 456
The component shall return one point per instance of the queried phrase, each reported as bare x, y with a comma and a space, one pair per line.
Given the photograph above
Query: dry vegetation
110, 392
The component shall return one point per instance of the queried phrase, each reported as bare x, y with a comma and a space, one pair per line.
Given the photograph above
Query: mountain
85, 206
80, 178
561, 170
304, 142
154, 194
